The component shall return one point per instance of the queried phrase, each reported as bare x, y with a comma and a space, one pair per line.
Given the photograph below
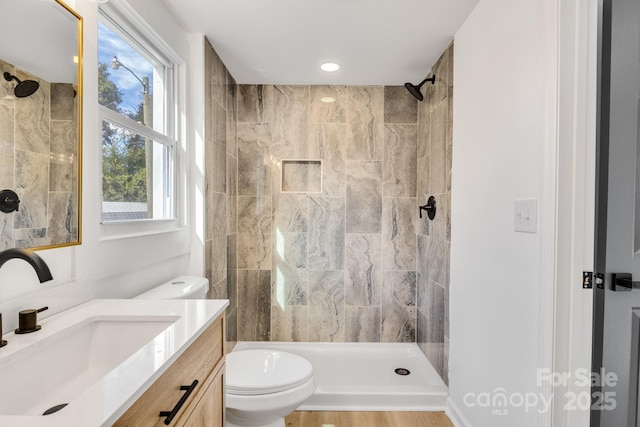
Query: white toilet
262, 386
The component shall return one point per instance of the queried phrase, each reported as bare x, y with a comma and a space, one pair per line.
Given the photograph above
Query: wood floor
367, 419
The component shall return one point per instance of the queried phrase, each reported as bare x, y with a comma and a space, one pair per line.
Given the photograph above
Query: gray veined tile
254, 313
255, 103
363, 275
232, 271
6, 231
438, 244
232, 326
424, 129
290, 280
326, 233
398, 306
32, 119
62, 101
326, 306
216, 73
364, 197
232, 195
289, 323
63, 218
423, 193
216, 148
365, 122
254, 160
290, 212
232, 116
423, 273
362, 324
440, 88
217, 225
254, 233
327, 143
32, 186
437, 181
399, 227
400, 162
290, 138
323, 110
399, 105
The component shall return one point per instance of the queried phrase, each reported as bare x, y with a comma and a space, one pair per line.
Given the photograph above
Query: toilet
262, 386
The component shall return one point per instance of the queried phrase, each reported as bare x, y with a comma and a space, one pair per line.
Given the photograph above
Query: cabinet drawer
196, 363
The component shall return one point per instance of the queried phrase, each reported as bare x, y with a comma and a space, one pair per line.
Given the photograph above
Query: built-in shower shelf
302, 176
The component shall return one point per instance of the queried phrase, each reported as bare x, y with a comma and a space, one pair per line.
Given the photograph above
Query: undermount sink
54, 369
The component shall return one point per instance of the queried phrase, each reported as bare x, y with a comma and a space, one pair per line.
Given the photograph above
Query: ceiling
377, 42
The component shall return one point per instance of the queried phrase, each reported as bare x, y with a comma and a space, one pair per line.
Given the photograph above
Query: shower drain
402, 371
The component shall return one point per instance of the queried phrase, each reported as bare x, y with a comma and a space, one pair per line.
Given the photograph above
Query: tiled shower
312, 210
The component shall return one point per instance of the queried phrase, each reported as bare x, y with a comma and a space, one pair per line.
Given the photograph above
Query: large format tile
32, 119
326, 306
363, 278
290, 280
325, 111
255, 103
32, 186
64, 148
398, 306
232, 116
365, 122
399, 105
423, 274
232, 271
437, 180
362, 324
290, 212
289, 323
327, 144
254, 162
399, 228
232, 194
364, 197
254, 314
216, 147
437, 255
290, 122
62, 101
326, 233
62, 224
400, 162
254, 233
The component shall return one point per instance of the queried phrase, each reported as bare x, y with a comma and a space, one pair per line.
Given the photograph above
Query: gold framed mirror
40, 125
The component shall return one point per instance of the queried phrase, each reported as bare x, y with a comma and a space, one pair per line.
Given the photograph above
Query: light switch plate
525, 216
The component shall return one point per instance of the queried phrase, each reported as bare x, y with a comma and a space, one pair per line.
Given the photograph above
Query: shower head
23, 88
415, 90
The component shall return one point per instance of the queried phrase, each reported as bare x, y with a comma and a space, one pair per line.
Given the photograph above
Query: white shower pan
362, 376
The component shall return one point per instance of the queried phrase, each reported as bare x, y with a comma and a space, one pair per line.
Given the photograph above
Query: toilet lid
251, 372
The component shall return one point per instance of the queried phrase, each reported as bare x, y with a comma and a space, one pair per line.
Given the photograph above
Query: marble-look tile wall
221, 167
337, 263
39, 153
434, 237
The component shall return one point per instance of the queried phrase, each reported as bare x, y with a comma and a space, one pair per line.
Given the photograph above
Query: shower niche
301, 176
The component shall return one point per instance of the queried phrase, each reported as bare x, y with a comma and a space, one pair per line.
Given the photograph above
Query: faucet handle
28, 320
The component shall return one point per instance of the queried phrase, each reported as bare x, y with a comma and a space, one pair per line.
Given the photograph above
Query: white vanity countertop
104, 401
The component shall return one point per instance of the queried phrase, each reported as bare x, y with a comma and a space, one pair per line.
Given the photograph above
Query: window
137, 113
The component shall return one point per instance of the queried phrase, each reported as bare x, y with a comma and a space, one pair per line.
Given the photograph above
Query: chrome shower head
23, 88
415, 90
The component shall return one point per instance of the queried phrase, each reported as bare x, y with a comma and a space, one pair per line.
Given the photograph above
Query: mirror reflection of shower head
415, 90
23, 88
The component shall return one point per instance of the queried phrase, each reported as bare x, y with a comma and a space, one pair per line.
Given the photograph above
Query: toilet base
277, 423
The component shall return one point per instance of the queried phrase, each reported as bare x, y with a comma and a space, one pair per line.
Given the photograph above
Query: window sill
130, 229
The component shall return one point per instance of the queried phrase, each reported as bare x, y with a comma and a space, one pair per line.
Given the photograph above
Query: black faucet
38, 264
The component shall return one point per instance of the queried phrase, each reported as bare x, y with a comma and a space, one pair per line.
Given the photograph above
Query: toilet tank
182, 287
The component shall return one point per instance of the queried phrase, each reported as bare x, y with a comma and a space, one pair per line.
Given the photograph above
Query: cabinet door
209, 412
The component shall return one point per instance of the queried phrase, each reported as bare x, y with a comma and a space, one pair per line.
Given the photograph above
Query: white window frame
121, 18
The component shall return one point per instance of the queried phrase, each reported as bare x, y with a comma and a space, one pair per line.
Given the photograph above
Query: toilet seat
255, 372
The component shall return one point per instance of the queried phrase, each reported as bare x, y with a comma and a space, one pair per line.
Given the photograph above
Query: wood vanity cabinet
203, 404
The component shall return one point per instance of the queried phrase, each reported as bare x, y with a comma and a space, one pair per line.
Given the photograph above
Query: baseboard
455, 415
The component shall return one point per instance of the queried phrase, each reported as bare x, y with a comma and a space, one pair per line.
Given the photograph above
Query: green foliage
123, 152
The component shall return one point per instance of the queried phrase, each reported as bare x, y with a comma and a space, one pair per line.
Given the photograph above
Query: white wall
504, 113
107, 267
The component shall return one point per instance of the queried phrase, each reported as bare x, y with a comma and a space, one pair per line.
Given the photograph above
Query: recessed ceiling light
330, 67
328, 99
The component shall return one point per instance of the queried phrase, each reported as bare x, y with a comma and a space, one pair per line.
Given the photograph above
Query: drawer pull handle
170, 415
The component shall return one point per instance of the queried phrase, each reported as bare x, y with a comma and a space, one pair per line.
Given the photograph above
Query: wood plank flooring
367, 419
